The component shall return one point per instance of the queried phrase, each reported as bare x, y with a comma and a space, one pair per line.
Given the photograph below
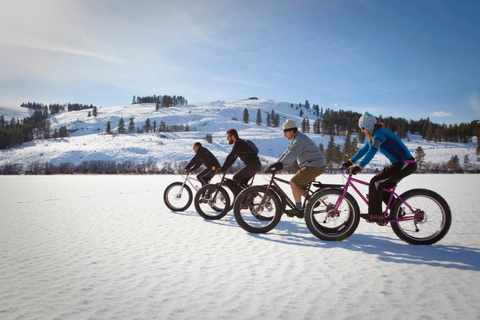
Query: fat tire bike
259, 209
178, 196
213, 201
417, 216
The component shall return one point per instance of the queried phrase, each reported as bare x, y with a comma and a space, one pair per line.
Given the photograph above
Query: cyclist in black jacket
205, 157
241, 149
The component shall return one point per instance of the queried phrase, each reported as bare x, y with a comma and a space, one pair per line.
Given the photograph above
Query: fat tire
169, 196
256, 222
319, 216
211, 211
432, 228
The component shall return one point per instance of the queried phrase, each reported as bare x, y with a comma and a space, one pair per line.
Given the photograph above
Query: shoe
207, 194
294, 213
248, 201
372, 217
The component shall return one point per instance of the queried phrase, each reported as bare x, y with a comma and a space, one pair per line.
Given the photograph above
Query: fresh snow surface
106, 247
87, 140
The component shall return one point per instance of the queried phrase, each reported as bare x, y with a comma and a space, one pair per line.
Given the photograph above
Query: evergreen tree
330, 152
361, 137
353, 148
268, 120
454, 164
316, 126
109, 128
131, 126
304, 125
337, 155
209, 138
121, 126
420, 157
400, 132
347, 147
95, 112
429, 132
148, 126
63, 133
276, 122
259, 117
245, 115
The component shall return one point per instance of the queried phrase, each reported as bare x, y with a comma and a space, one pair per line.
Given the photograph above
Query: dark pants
206, 175
387, 178
244, 175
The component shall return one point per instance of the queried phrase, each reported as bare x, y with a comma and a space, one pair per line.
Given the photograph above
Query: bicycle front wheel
430, 221
257, 210
327, 224
210, 204
177, 196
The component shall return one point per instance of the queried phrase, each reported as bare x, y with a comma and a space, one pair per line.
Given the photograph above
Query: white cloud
441, 114
474, 102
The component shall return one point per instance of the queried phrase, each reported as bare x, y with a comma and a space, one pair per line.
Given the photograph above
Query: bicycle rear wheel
177, 196
433, 217
210, 204
256, 216
326, 224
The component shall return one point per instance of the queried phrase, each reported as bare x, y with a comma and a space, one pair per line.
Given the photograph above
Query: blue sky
411, 58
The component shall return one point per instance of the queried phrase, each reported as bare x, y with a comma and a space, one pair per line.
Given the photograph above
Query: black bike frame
273, 185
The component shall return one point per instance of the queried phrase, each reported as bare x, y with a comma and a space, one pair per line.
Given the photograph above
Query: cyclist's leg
387, 178
301, 179
246, 173
205, 176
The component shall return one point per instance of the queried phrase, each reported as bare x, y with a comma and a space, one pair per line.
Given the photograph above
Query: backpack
252, 145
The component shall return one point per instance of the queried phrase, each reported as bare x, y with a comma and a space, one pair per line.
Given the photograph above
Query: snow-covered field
106, 247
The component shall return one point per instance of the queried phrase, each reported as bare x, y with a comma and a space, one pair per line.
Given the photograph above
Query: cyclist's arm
291, 154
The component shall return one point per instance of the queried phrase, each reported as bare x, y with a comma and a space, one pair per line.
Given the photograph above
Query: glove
277, 166
347, 165
355, 169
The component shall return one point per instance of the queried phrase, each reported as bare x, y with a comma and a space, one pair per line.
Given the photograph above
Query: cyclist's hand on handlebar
277, 166
354, 170
347, 165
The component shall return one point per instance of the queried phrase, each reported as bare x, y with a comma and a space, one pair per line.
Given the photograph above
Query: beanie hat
289, 124
367, 121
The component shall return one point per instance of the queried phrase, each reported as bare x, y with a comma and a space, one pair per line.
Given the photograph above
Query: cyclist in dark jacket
205, 157
241, 149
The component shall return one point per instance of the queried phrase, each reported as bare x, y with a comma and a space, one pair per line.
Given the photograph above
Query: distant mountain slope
88, 141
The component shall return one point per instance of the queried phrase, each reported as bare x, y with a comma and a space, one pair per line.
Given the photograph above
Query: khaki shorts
306, 175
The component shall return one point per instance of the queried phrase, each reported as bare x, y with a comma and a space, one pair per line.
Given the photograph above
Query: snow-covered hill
88, 139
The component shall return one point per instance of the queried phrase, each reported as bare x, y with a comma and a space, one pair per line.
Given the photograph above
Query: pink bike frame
350, 183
